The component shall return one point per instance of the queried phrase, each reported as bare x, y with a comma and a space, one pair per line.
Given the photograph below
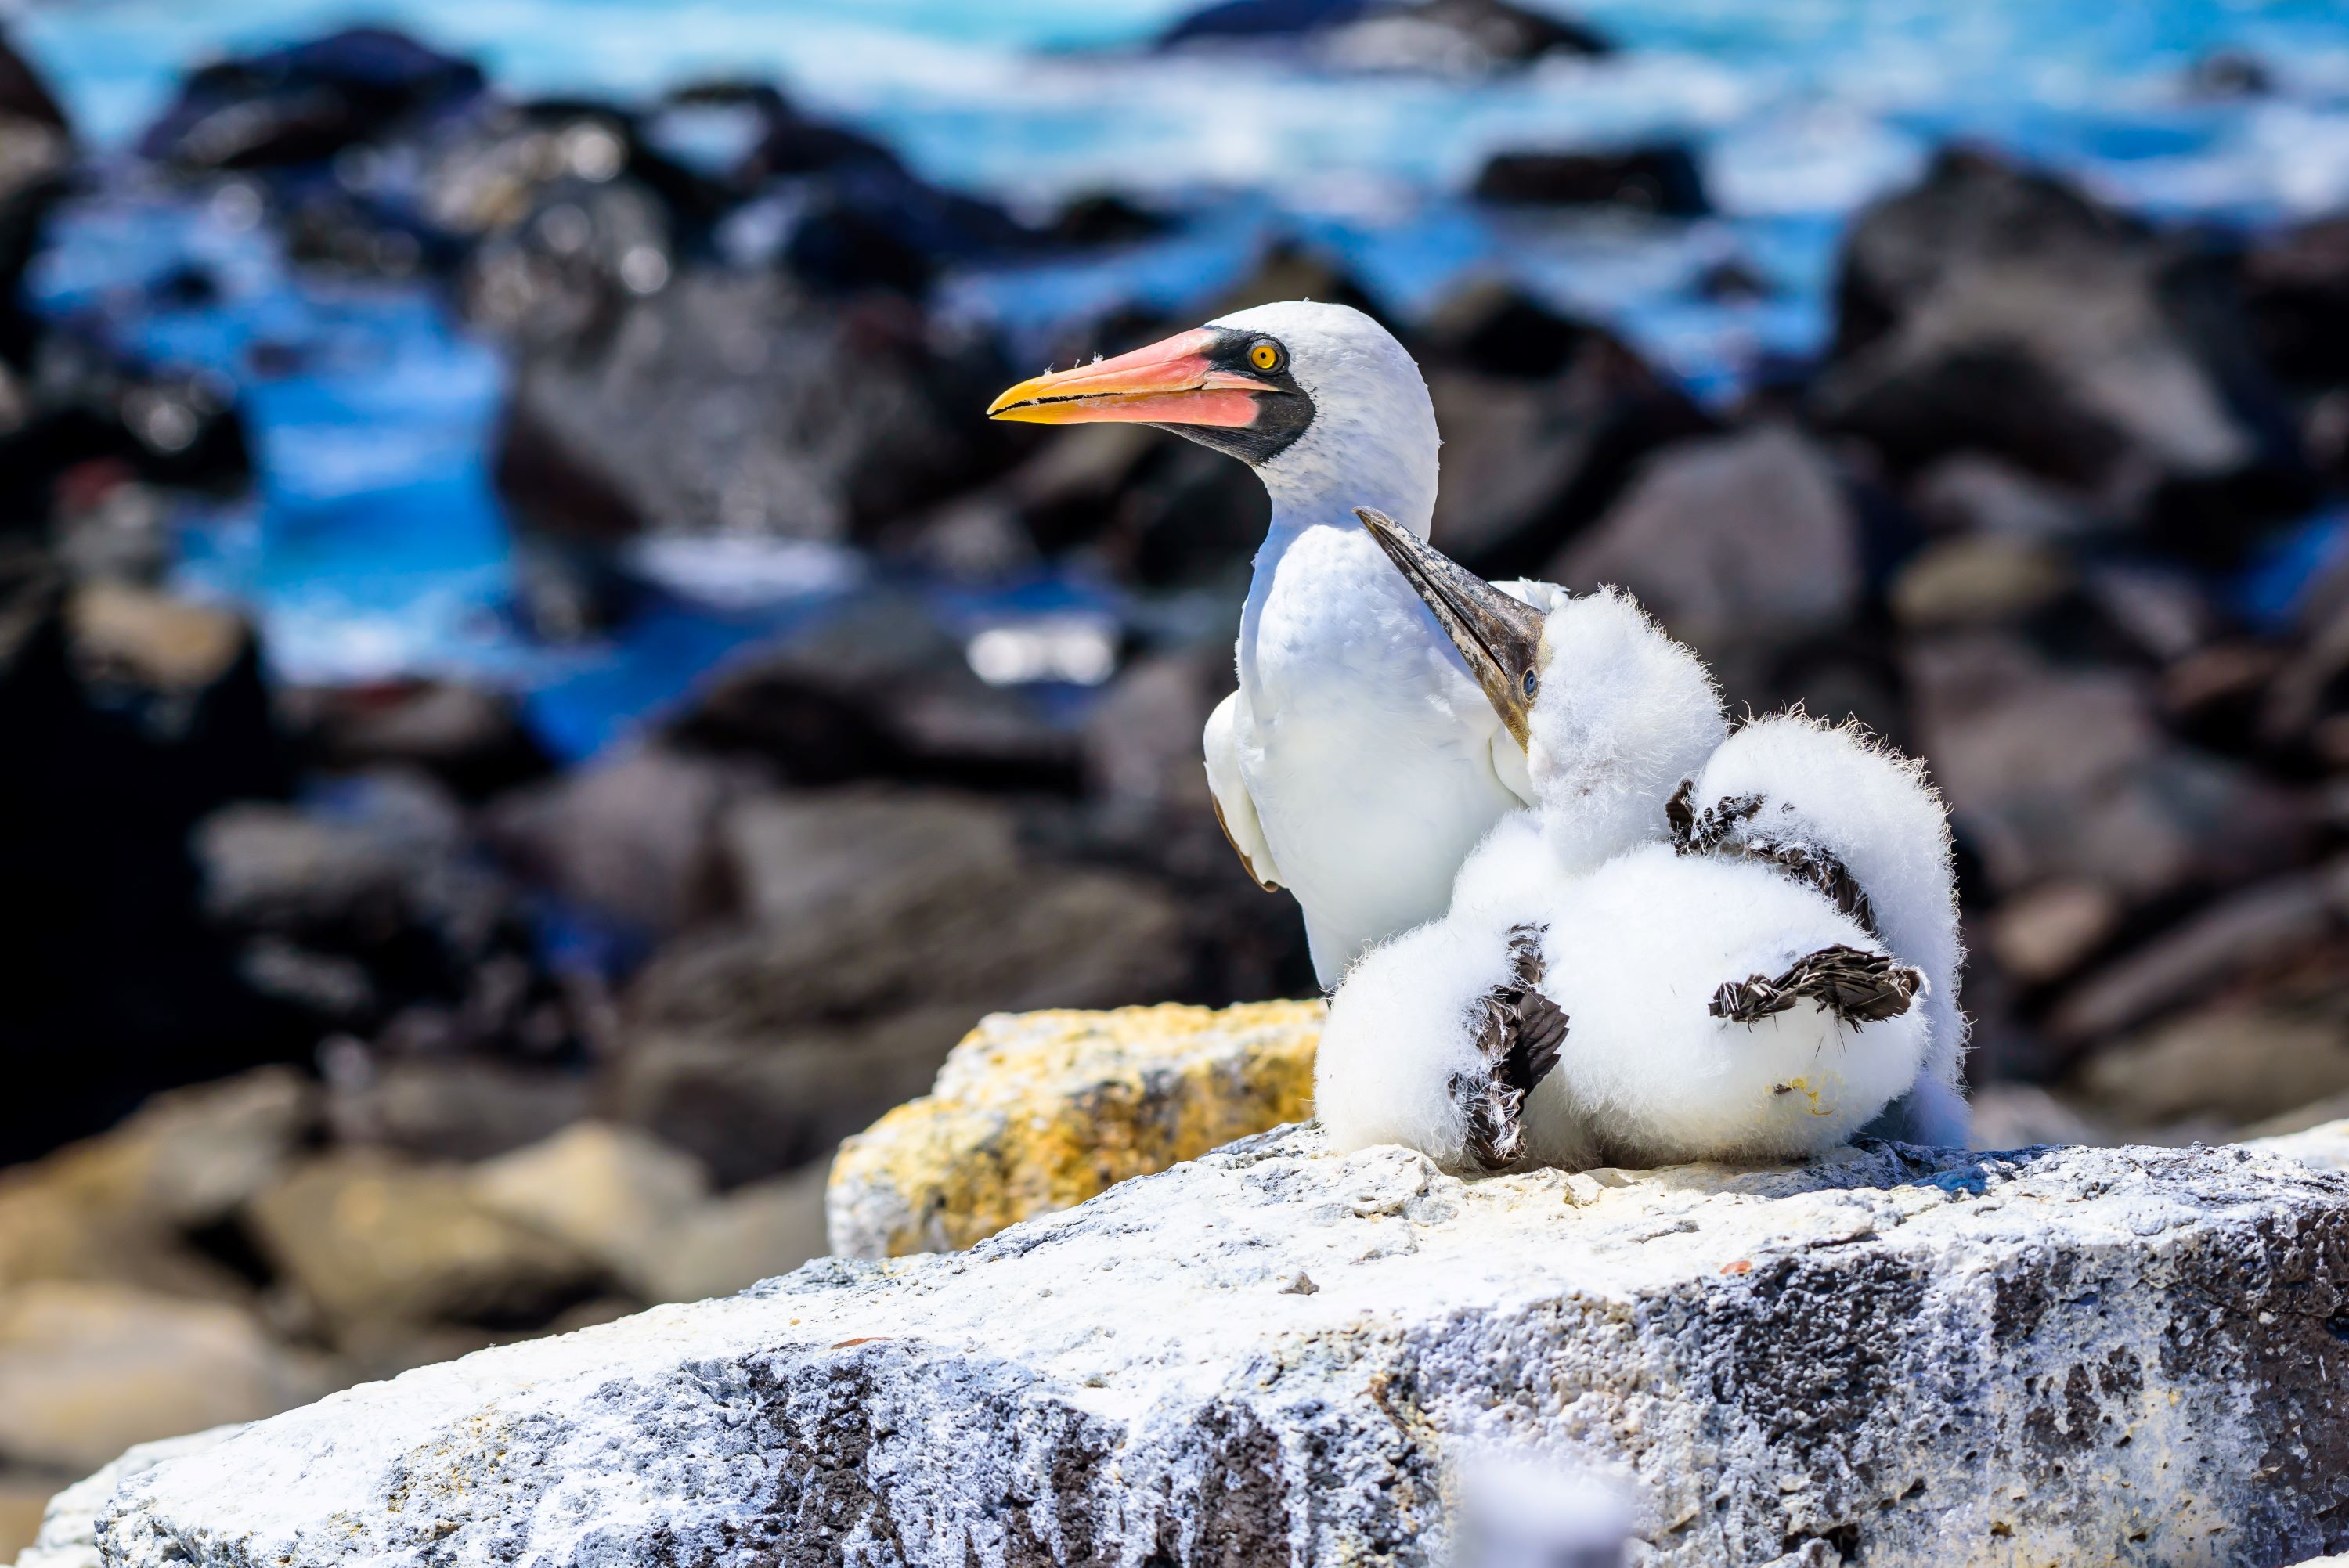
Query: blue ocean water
375, 546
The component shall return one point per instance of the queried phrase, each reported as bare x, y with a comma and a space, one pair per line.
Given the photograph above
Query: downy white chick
1811, 799
1437, 1036
1719, 995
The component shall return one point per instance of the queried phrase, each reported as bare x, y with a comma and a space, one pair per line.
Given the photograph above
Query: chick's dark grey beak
1499, 636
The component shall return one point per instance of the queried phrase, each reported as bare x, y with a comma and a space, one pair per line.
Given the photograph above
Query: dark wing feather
1856, 988
1520, 1040
1715, 830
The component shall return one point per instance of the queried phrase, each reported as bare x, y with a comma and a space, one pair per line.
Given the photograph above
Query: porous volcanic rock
1036, 1112
1272, 1354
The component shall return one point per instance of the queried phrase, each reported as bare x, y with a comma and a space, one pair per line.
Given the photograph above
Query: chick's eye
1265, 355
1532, 683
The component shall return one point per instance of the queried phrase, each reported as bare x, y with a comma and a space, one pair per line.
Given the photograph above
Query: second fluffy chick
1669, 957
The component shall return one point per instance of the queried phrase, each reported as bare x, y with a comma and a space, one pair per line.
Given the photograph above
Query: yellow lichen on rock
1037, 1111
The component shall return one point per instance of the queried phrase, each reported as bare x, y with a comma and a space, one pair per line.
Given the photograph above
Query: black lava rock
1441, 33
1995, 309
304, 103
1663, 180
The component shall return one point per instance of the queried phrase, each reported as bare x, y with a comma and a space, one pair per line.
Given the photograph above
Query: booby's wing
1235, 809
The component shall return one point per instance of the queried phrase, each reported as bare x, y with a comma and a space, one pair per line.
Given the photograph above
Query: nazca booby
1358, 762
1599, 993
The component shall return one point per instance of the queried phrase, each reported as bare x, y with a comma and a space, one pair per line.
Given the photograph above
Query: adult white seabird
1358, 762
1728, 993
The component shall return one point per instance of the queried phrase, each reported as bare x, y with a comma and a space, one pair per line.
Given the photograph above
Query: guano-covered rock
1271, 1355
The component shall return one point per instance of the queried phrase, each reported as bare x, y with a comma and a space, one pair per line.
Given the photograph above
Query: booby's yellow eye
1265, 355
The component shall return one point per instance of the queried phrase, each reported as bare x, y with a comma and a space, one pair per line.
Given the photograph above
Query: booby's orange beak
1169, 382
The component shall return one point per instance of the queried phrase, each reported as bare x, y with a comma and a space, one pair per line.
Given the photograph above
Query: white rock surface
1270, 1354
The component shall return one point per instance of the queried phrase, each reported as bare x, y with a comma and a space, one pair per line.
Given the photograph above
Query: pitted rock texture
1035, 1112
1272, 1354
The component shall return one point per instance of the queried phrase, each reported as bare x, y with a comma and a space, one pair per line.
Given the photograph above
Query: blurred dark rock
879, 691
777, 141
25, 97
1545, 419
758, 1106
1260, 19
843, 247
890, 232
2296, 286
327, 229
556, 215
447, 1106
1458, 36
876, 928
373, 1245
568, 270
1973, 492
495, 169
77, 416
2162, 611
472, 739
304, 103
2024, 1115
353, 912
1662, 179
132, 716
931, 903
1746, 545
1182, 515
2239, 1063
635, 838
1496, 328
1048, 937
2046, 933
1147, 807
2230, 74
739, 404
2056, 771
2310, 686
867, 858
1999, 309
108, 527
2214, 695
36, 148
1734, 280
1105, 217
2231, 943
1984, 580
1149, 511
1142, 750
1289, 269
92, 1369
852, 217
